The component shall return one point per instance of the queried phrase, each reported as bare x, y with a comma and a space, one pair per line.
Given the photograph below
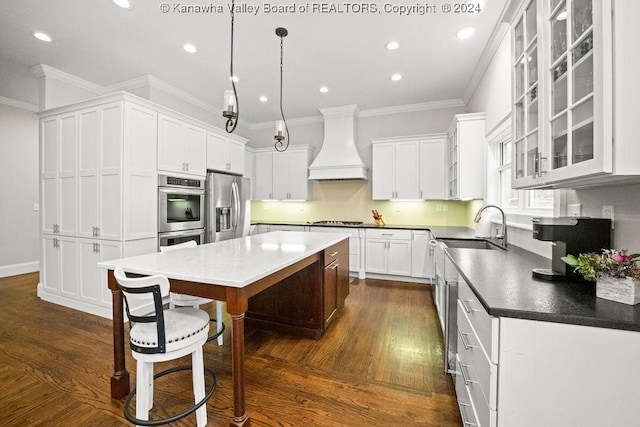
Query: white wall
18, 191
493, 93
626, 202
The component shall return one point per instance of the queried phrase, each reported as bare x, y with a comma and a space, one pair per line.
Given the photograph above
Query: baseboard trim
44, 295
16, 269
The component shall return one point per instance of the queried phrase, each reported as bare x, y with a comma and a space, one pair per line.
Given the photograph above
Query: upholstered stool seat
182, 325
182, 300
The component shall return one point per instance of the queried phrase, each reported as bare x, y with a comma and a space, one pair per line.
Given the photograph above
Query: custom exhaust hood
338, 158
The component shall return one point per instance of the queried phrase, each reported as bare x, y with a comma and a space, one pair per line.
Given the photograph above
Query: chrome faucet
503, 235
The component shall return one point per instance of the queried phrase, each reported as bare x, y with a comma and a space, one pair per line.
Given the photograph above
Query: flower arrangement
610, 263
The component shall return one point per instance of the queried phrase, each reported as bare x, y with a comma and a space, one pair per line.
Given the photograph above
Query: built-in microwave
181, 203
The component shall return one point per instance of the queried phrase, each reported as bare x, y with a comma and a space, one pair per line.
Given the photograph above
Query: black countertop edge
503, 283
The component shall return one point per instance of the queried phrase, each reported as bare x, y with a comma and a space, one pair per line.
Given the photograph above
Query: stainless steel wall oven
181, 209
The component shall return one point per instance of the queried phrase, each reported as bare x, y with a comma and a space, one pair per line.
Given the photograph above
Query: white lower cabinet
528, 373
60, 265
91, 252
388, 252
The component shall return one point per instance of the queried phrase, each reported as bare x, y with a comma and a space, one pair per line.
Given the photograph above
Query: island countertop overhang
234, 263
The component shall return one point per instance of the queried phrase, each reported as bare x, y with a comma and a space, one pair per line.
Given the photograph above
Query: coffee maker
570, 235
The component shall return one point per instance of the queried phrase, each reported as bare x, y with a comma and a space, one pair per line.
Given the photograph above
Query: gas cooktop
337, 222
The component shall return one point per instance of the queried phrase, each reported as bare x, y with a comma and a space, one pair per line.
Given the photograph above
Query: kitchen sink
470, 243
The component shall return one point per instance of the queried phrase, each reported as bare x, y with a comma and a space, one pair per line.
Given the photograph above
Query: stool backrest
148, 290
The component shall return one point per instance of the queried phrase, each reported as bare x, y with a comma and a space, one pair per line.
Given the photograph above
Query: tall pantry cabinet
98, 195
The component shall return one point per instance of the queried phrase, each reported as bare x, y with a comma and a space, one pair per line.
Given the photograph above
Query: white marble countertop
235, 263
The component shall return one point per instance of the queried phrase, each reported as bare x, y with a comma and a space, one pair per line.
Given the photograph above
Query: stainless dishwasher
446, 282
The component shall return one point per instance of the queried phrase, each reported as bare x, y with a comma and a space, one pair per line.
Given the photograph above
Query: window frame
500, 134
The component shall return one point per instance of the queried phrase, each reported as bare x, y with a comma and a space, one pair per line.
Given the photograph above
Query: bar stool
182, 300
161, 336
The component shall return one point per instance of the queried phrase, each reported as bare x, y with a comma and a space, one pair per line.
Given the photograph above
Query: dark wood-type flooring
379, 364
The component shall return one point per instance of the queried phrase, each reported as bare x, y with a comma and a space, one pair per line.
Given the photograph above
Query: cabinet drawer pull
465, 375
334, 265
466, 308
463, 415
465, 341
333, 253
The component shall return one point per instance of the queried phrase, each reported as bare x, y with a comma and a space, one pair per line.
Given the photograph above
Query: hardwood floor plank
379, 364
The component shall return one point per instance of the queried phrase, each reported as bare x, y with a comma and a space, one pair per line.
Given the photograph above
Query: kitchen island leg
120, 379
240, 417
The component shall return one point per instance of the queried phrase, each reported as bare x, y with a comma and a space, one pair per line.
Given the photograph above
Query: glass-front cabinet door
566, 133
525, 95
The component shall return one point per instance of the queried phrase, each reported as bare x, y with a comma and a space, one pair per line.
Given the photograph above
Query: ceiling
106, 45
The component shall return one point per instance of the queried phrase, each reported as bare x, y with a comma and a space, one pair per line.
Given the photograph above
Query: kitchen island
232, 271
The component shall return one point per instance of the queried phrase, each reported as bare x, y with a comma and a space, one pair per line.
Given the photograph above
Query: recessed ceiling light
234, 78
465, 32
396, 77
190, 48
323, 89
125, 4
392, 45
42, 36
263, 99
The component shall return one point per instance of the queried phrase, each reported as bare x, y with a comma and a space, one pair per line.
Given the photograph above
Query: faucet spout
503, 234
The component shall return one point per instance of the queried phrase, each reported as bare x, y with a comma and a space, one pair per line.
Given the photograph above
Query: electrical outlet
574, 209
445, 208
36, 207
438, 208
607, 212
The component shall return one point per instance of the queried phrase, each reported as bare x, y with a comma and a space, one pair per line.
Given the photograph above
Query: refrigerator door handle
235, 197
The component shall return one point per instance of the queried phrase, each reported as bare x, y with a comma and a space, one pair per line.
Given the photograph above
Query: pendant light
231, 107
281, 125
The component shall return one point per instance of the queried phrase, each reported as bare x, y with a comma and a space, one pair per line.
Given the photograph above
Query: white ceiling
104, 44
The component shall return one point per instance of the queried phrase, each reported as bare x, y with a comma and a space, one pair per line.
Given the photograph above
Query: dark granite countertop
441, 232
502, 281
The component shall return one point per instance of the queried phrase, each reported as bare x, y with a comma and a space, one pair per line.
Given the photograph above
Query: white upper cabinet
411, 167
570, 62
59, 174
100, 172
466, 157
182, 147
225, 154
263, 175
396, 168
291, 173
282, 176
432, 167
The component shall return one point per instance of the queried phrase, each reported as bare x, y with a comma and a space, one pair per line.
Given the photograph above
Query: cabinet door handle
463, 415
55, 243
334, 265
465, 375
97, 248
97, 231
332, 254
465, 341
465, 306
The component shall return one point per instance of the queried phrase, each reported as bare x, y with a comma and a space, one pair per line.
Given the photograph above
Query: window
535, 202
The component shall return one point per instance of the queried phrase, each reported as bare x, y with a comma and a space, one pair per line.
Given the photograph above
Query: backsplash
351, 201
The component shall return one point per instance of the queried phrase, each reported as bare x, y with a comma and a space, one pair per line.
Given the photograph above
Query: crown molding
411, 108
42, 70
19, 104
298, 121
385, 111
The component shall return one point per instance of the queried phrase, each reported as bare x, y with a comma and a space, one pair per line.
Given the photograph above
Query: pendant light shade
231, 108
282, 141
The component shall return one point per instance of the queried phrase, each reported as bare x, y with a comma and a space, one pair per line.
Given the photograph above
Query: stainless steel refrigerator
227, 207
